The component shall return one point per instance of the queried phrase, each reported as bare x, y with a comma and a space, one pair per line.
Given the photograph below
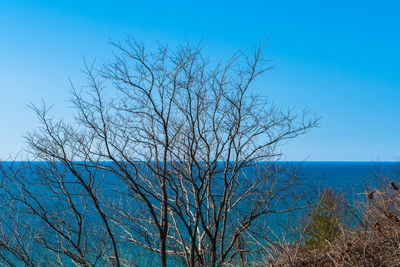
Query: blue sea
348, 175
340, 174
351, 178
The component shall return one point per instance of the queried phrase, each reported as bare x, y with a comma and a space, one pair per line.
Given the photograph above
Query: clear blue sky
338, 58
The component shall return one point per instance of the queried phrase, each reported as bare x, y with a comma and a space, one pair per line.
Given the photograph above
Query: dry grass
374, 242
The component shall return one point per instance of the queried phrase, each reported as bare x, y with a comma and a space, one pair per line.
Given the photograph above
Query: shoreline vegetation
339, 232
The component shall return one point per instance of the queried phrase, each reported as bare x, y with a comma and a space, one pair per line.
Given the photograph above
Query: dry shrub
375, 241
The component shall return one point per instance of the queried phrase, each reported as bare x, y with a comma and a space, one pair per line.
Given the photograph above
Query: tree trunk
164, 227
163, 251
213, 259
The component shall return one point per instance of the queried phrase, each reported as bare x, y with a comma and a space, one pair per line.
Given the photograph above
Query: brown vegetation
373, 241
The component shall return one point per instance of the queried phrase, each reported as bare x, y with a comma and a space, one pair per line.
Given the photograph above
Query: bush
330, 241
324, 221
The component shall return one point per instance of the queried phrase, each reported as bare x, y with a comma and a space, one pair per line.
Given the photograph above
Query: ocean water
337, 174
351, 178
348, 176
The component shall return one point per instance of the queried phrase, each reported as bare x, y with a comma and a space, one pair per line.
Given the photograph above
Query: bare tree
169, 152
